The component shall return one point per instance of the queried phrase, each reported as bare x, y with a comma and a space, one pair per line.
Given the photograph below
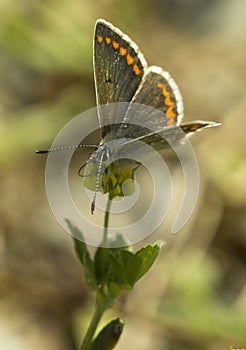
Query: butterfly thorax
102, 154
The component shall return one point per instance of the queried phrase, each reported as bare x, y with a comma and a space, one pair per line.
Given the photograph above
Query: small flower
117, 178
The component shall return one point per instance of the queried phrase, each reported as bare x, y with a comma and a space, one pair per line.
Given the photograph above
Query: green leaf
141, 262
108, 263
118, 281
87, 263
114, 269
101, 265
110, 268
109, 336
120, 269
119, 260
84, 257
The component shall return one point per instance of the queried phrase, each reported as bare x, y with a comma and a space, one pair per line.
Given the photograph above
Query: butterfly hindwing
159, 91
168, 137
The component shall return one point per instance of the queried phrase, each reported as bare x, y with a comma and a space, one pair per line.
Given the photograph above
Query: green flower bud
117, 178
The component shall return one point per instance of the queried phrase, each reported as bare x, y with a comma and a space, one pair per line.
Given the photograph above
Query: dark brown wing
119, 67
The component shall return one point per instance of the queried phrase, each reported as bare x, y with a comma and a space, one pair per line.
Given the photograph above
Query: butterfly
125, 85
122, 75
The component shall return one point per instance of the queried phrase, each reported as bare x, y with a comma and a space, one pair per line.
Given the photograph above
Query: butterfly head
106, 175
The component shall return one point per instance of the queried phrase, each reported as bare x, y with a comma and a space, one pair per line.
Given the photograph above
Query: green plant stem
104, 242
102, 302
99, 310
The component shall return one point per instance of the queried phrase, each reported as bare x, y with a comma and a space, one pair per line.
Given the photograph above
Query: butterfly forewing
119, 67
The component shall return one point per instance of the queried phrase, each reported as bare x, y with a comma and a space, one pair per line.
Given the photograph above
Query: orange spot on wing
159, 85
99, 38
170, 122
165, 92
108, 40
194, 127
129, 59
115, 44
136, 69
170, 113
122, 51
168, 101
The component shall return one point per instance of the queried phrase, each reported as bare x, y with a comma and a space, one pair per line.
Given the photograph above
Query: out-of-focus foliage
195, 297
46, 37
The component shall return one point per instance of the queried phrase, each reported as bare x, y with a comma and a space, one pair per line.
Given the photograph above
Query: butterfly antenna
99, 173
43, 151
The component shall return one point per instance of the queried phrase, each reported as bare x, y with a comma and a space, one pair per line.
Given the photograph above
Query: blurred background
195, 296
